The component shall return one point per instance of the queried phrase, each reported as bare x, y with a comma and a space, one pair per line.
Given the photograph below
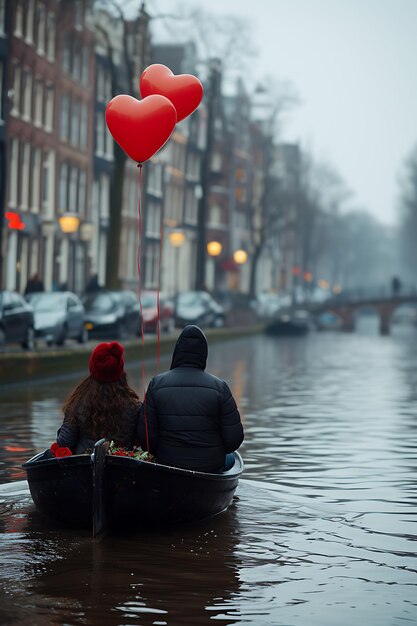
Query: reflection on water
323, 528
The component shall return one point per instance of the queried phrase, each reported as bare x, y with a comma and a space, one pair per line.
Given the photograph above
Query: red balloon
141, 127
185, 90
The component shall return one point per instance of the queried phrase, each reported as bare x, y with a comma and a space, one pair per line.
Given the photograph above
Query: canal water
322, 530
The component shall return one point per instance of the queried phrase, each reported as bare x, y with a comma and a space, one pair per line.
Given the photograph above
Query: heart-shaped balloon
141, 127
184, 90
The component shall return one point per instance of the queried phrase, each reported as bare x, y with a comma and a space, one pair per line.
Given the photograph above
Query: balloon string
142, 332
161, 232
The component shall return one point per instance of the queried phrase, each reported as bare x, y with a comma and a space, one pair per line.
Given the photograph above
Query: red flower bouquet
137, 452
59, 452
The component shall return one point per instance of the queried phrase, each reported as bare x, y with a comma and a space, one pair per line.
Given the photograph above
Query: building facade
49, 141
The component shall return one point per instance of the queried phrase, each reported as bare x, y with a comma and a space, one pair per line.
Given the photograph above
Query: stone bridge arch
384, 307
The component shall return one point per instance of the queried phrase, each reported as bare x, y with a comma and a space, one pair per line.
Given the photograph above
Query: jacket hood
191, 349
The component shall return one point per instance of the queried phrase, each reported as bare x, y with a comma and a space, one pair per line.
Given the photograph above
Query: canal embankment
25, 367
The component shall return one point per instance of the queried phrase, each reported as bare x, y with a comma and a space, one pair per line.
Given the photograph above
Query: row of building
205, 198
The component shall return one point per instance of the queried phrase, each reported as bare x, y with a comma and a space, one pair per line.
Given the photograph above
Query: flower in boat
136, 453
59, 451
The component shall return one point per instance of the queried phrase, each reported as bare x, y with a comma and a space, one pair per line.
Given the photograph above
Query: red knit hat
106, 362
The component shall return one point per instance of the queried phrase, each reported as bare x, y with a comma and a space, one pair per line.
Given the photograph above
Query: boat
296, 323
103, 491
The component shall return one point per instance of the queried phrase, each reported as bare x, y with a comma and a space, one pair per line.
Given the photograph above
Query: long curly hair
98, 406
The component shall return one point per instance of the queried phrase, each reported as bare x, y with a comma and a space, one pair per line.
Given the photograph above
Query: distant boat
295, 323
106, 491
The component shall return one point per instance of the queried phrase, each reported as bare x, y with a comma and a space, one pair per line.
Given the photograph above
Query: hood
191, 349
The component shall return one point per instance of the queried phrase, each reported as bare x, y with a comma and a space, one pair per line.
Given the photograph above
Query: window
27, 94
49, 108
153, 220
85, 65
17, 77
66, 54
73, 190
48, 188
81, 191
18, 25
63, 187
155, 179
24, 176
152, 265
30, 18
131, 253
215, 214
75, 123
38, 102
76, 66
34, 255
84, 126
50, 40
36, 179
216, 162
79, 14
133, 198
105, 196
99, 134
64, 118
14, 169
109, 144
40, 29
191, 206
46, 177
2, 16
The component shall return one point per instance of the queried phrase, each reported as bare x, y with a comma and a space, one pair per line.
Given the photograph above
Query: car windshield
189, 299
47, 302
148, 300
101, 302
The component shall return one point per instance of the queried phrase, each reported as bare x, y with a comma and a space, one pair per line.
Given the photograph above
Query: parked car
17, 324
58, 316
198, 307
150, 312
112, 314
267, 304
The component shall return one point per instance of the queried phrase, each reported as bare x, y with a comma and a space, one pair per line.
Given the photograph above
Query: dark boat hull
132, 493
286, 328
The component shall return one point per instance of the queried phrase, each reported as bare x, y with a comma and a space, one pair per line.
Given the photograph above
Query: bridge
347, 307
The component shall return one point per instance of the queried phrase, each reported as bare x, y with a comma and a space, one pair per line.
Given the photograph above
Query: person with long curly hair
102, 405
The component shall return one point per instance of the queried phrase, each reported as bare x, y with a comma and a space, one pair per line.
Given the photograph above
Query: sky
353, 64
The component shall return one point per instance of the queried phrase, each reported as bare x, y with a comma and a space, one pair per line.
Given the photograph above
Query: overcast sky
354, 66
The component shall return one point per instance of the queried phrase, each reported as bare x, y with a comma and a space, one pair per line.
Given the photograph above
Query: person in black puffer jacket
189, 418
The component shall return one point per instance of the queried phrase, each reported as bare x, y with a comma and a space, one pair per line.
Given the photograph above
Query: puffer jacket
191, 416
75, 437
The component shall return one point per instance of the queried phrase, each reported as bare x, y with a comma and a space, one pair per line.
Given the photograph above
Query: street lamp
240, 257
214, 248
177, 238
69, 222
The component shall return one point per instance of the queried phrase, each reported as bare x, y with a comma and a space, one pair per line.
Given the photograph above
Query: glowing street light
177, 238
240, 256
323, 284
69, 222
337, 289
214, 248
